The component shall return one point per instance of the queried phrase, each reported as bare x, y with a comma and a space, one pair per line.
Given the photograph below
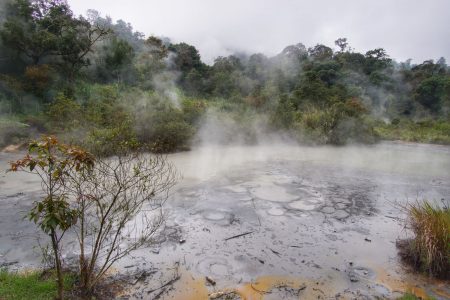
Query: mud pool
315, 222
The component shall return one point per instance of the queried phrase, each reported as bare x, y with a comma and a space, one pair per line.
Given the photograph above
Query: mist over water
265, 206
309, 211
321, 208
221, 145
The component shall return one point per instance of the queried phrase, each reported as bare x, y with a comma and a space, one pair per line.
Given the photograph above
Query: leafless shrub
120, 205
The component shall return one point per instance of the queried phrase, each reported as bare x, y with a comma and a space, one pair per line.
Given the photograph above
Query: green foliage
338, 124
284, 114
164, 128
102, 123
376, 60
408, 297
38, 78
52, 214
111, 140
121, 54
187, 57
428, 131
63, 113
31, 285
91, 75
116, 61
411, 296
103, 107
168, 135
193, 110
352, 130
54, 163
433, 92
186, 60
150, 61
321, 52
27, 28
47, 32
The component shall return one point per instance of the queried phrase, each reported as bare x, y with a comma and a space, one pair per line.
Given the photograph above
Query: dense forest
101, 84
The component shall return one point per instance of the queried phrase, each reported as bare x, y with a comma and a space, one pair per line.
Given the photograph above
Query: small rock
182, 241
353, 277
367, 240
210, 280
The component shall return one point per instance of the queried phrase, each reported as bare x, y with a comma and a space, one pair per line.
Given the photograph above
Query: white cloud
406, 29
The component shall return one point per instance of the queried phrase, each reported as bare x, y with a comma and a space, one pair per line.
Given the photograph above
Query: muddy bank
270, 222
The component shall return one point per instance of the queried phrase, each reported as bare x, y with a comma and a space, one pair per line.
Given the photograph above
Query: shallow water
319, 221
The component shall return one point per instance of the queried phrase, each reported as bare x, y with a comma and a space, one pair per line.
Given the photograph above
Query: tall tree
45, 31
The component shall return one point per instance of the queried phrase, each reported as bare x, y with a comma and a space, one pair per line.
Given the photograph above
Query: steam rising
159, 80
402, 159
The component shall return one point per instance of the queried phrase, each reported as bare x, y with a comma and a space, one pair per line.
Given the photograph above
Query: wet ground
271, 222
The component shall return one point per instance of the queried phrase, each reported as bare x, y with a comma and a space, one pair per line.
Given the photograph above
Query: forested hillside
104, 85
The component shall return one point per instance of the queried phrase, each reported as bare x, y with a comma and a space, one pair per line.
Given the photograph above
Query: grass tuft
410, 296
431, 131
429, 250
30, 285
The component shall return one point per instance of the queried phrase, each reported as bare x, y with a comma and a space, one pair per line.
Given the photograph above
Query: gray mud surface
315, 222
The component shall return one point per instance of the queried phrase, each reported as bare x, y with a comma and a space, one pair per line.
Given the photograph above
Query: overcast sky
417, 29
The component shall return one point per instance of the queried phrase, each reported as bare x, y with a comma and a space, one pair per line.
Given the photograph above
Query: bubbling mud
271, 222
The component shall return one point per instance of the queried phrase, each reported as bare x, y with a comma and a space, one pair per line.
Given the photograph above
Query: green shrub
425, 131
352, 130
338, 124
105, 109
164, 131
111, 140
64, 113
193, 110
161, 126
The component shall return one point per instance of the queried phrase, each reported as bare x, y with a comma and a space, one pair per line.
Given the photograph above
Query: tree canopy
49, 54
